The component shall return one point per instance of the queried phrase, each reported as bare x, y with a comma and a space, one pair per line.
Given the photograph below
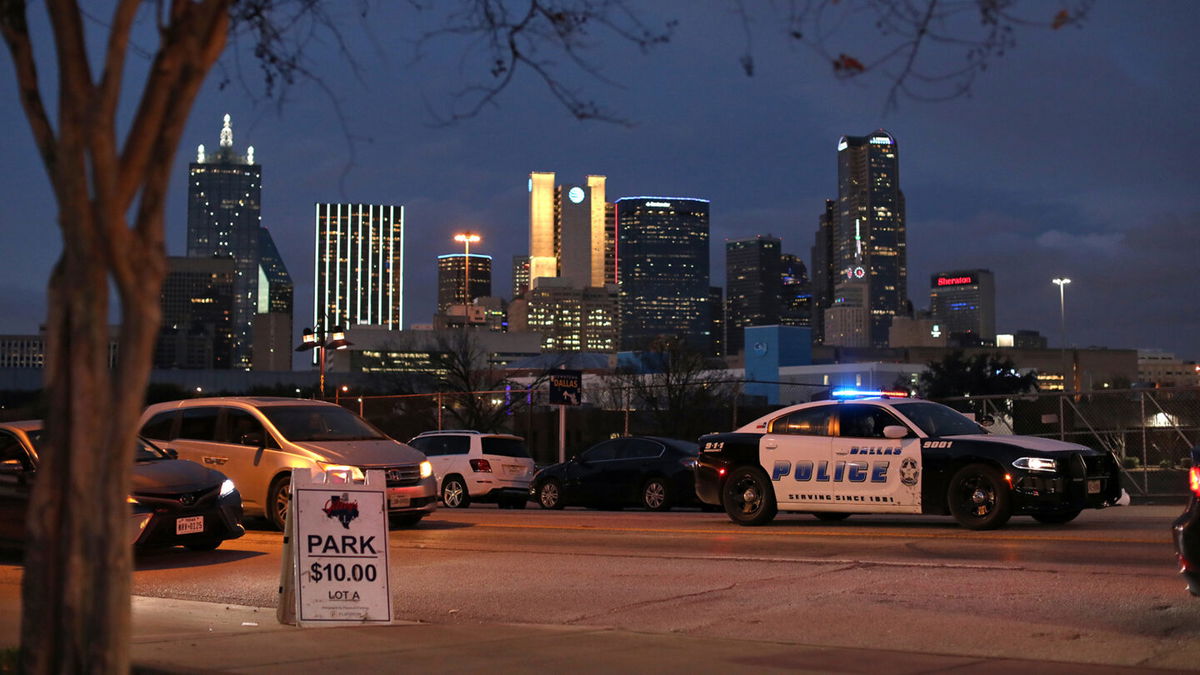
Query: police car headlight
227, 488
1037, 464
426, 469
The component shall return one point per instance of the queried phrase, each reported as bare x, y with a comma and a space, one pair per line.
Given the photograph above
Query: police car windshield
299, 423
936, 419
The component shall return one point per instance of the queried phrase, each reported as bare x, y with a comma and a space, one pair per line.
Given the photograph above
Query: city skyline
1040, 174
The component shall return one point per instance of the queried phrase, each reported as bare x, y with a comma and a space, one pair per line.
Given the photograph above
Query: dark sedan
174, 502
1187, 529
655, 473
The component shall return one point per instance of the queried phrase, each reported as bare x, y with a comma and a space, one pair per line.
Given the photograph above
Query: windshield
936, 419
504, 447
299, 423
145, 451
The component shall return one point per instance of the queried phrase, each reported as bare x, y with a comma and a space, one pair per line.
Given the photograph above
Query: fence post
439, 407
1062, 418
1145, 453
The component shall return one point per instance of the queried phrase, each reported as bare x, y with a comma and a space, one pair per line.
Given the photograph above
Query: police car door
795, 452
872, 473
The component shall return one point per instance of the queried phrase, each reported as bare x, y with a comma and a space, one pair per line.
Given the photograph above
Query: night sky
1075, 155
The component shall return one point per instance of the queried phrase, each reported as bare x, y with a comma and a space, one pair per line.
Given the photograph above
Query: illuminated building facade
662, 270
567, 226
224, 221
963, 302
359, 268
520, 275
197, 314
795, 292
752, 274
572, 319
453, 277
823, 274
869, 237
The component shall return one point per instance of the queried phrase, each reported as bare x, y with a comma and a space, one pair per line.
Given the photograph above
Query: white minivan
257, 441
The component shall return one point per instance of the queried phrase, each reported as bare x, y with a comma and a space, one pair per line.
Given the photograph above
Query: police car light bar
859, 393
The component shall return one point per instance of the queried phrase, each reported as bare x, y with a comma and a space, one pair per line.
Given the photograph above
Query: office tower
359, 268
567, 230
963, 302
847, 321
571, 318
610, 243
453, 277
197, 314
824, 277
224, 193
273, 337
520, 275
716, 317
662, 270
869, 242
795, 292
752, 274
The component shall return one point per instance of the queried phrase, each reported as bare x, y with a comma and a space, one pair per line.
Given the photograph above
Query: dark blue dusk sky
1074, 156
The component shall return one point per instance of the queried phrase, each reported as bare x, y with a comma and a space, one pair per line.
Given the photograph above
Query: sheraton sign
955, 281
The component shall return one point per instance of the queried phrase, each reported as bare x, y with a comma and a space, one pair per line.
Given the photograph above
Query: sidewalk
182, 636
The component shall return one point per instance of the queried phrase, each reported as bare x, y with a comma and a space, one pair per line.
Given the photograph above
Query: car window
145, 451
300, 423
243, 428
436, 446
12, 454
603, 451
160, 426
640, 448
425, 446
504, 447
864, 421
936, 419
199, 424
804, 422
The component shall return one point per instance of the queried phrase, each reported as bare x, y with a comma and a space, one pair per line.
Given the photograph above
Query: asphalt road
1102, 589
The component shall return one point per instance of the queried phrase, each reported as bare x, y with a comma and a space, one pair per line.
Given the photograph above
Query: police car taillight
1194, 480
481, 465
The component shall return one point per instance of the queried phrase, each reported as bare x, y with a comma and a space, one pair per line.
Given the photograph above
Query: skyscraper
752, 275
273, 338
567, 230
520, 276
963, 302
824, 277
197, 314
224, 193
359, 268
795, 292
869, 239
662, 270
452, 278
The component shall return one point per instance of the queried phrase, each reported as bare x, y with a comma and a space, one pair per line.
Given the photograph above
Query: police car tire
985, 478
553, 497
1056, 518
831, 516
740, 480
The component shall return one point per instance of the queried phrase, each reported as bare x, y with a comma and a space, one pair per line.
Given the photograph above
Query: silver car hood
377, 453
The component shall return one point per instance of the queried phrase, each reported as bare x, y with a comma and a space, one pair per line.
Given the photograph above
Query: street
1102, 589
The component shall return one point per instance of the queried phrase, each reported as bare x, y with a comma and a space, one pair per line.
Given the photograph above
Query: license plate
514, 469
190, 525
398, 501
1093, 487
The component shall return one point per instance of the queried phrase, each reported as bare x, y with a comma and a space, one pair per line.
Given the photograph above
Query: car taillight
1194, 480
481, 465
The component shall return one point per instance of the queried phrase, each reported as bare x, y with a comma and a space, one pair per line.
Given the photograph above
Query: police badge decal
909, 471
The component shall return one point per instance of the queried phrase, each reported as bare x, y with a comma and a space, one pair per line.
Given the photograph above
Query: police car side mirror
894, 431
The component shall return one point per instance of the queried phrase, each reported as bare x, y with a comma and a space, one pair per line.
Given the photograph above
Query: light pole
1062, 317
313, 340
467, 238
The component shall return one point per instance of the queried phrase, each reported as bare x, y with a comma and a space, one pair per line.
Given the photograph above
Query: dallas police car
898, 455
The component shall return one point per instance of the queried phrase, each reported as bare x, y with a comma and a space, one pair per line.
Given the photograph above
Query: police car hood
1027, 442
376, 452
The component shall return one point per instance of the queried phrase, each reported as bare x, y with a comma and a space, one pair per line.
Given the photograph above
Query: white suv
474, 466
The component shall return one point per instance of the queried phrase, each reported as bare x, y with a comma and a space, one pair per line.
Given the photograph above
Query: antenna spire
227, 134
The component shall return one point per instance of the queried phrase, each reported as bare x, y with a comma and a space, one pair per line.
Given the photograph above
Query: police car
898, 455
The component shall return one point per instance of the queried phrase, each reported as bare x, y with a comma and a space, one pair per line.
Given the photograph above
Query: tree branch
15, 28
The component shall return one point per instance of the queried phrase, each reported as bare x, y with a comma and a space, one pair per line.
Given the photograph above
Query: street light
314, 340
467, 238
1062, 316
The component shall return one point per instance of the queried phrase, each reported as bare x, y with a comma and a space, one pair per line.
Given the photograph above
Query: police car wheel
656, 496
830, 516
1056, 518
550, 495
748, 496
454, 493
978, 498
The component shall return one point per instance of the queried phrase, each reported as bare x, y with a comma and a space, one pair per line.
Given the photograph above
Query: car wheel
748, 496
405, 520
205, 545
831, 516
279, 498
978, 498
656, 496
550, 494
454, 493
1056, 518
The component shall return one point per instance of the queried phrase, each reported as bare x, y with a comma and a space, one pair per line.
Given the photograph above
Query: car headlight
426, 469
1037, 464
340, 473
227, 488
689, 462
